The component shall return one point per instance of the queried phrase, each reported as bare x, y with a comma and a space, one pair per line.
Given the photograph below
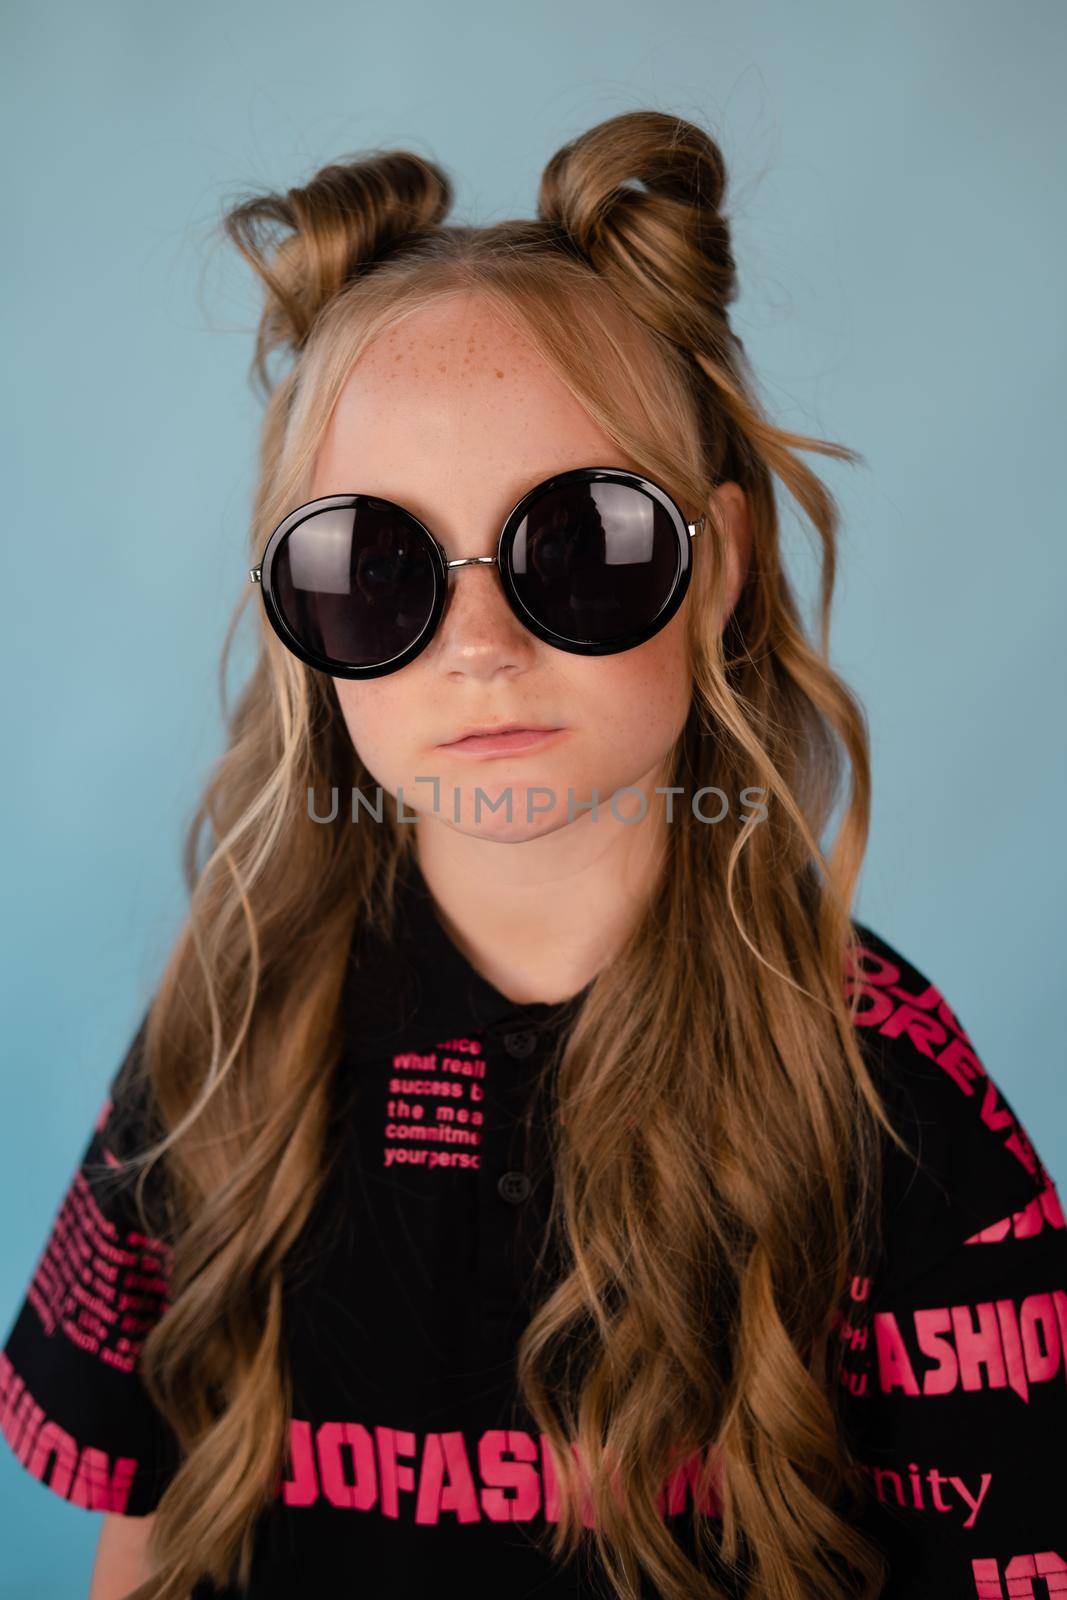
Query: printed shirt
412, 1463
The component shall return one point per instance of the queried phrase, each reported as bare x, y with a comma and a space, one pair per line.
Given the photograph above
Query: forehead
454, 398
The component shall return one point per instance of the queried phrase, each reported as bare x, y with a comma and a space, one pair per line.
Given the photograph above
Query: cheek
637, 702
374, 713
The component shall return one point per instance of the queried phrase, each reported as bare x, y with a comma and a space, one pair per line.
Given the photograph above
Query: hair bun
346, 219
640, 197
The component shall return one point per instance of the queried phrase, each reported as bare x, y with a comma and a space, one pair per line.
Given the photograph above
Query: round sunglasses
593, 561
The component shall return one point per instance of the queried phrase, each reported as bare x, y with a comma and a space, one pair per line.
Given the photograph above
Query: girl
527, 1176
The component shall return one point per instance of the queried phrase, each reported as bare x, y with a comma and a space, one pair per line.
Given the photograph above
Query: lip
502, 742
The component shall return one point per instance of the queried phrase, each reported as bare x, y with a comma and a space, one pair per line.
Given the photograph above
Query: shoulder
948, 1347
975, 1164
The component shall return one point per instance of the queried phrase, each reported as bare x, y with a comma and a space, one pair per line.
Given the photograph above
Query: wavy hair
717, 1138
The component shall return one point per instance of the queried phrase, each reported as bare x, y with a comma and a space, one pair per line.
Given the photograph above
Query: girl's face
454, 415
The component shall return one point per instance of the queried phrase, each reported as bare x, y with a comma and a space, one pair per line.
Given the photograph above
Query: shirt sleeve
73, 1406
953, 1350
957, 1412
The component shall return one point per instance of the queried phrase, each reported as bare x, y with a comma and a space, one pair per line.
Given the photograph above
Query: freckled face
454, 415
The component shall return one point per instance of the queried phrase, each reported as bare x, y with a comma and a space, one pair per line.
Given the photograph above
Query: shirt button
514, 1186
520, 1044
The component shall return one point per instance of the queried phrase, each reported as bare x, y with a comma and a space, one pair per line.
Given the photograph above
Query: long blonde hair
718, 1139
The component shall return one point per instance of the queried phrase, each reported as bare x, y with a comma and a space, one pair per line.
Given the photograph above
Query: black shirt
414, 1466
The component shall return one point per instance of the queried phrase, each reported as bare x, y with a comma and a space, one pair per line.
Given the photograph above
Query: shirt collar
452, 987
420, 985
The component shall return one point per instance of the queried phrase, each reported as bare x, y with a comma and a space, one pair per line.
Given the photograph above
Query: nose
479, 633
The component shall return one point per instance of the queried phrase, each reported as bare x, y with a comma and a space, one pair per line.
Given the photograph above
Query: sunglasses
593, 561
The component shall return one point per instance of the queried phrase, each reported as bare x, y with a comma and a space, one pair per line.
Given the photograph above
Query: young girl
527, 1177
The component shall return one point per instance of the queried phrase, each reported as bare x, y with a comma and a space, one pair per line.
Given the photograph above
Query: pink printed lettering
932, 1490
432, 1100
1047, 1565
503, 1475
927, 1022
85, 1475
991, 1345
1043, 1211
102, 1289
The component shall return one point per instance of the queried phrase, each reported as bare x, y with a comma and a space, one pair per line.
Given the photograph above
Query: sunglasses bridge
256, 573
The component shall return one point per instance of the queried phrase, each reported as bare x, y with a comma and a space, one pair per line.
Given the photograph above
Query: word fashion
411, 1461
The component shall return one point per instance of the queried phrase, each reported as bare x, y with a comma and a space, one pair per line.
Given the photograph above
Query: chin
496, 825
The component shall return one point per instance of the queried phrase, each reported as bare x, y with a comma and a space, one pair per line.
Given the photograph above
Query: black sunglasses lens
355, 584
596, 562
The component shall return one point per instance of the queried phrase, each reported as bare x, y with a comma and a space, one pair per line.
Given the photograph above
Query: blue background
897, 205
